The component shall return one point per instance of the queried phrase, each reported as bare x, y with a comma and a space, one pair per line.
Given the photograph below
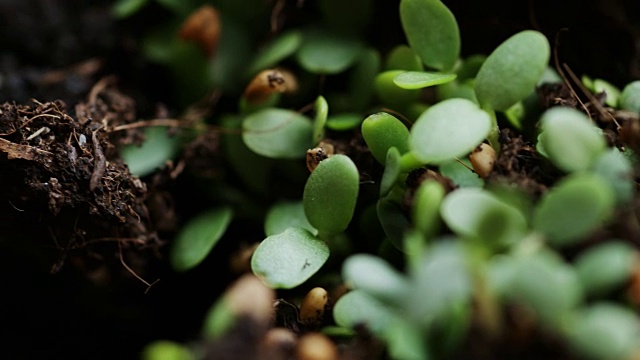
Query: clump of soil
69, 171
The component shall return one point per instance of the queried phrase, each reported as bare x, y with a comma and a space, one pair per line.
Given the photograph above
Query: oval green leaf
617, 170
605, 331
576, 206
391, 94
323, 53
278, 49
512, 70
321, 109
342, 122
391, 172
460, 174
357, 308
278, 133
439, 282
630, 97
432, 32
404, 58
285, 214
288, 259
612, 93
125, 8
166, 350
449, 129
330, 194
552, 298
421, 79
605, 267
477, 214
426, 208
362, 79
196, 239
381, 131
157, 148
376, 277
569, 139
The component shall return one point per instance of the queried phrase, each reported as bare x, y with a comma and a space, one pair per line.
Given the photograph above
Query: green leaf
286, 214
157, 148
569, 139
421, 79
605, 267
166, 350
391, 94
288, 259
376, 277
196, 239
426, 208
477, 214
612, 93
278, 133
392, 219
251, 168
431, 31
460, 175
343, 122
441, 281
404, 58
447, 130
605, 331
362, 79
546, 285
391, 172
512, 70
616, 169
470, 67
357, 308
125, 8
232, 55
575, 207
323, 53
381, 131
276, 50
405, 340
330, 194
630, 97
322, 112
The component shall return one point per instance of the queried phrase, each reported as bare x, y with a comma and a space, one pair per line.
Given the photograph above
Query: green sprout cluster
419, 274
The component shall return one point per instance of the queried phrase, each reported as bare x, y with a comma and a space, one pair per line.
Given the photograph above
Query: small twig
564, 77
590, 96
150, 123
275, 15
149, 285
465, 165
43, 129
393, 112
99, 162
26, 152
15, 206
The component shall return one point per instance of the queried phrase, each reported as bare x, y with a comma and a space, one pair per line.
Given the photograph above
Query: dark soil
82, 242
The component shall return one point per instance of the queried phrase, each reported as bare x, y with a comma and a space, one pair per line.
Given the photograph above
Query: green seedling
196, 239
330, 195
630, 97
278, 133
432, 32
381, 131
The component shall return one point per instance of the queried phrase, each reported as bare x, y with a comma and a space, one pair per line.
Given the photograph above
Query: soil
83, 243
